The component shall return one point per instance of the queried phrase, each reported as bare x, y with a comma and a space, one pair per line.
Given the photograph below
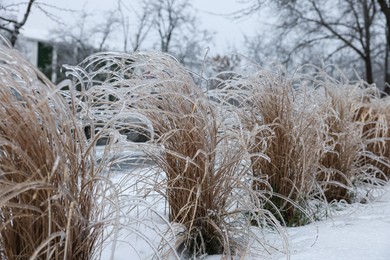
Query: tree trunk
385, 8
18, 25
367, 45
368, 65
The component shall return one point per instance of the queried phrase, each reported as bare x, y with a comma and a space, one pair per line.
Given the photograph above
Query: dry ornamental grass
47, 181
253, 154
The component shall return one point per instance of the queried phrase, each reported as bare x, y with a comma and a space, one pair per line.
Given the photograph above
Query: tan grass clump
204, 175
48, 207
353, 130
374, 114
344, 145
306, 126
288, 133
203, 168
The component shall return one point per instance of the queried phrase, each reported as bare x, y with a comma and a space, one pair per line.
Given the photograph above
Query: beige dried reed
204, 177
291, 141
48, 207
375, 116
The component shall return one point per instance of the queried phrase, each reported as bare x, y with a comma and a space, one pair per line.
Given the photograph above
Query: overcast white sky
228, 32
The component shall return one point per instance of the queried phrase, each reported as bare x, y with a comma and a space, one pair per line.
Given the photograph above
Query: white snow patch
355, 231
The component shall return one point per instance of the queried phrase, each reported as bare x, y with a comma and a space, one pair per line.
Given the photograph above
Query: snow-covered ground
358, 232
355, 231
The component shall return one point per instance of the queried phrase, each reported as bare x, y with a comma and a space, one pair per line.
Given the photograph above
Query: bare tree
12, 25
168, 25
171, 15
105, 28
178, 32
337, 30
74, 42
85, 35
385, 8
142, 24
